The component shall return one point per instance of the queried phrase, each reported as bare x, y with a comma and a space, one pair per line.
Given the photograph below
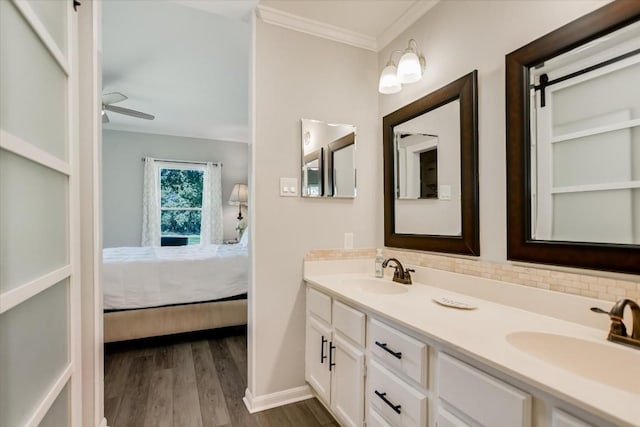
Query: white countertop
481, 334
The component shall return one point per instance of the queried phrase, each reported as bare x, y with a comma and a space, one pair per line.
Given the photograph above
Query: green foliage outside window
181, 188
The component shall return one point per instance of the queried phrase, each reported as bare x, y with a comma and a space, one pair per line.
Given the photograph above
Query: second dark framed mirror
429, 207
573, 143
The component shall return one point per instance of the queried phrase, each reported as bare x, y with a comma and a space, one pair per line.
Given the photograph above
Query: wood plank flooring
191, 381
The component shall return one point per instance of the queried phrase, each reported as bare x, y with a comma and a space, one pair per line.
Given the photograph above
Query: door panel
317, 366
33, 105
34, 222
35, 351
59, 414
39, 211
347, 384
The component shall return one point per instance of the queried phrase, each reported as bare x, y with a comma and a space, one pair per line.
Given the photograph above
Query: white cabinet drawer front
319, 304
483, 398
447, 419
562, 419
399, 351
349, 322
396, 400
376, 420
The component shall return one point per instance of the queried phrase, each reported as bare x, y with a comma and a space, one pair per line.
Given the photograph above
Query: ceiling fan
114, 97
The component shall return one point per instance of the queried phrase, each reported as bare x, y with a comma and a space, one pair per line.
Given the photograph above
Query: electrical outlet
348, 240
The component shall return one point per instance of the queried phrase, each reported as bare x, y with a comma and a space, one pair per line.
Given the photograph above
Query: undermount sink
611, 364
377, 286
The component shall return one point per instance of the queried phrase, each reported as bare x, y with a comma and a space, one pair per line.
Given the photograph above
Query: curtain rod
193, 162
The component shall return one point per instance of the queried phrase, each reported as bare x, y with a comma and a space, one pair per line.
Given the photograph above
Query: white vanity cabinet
560, 418
482, 398
396, 363
335, 361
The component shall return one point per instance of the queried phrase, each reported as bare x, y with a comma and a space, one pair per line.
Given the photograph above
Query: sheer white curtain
150, 205
211, 226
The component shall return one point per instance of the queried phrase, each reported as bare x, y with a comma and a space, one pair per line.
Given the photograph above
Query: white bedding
140, 277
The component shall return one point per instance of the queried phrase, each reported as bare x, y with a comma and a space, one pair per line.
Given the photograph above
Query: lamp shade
389, 80
239, 195
409, 68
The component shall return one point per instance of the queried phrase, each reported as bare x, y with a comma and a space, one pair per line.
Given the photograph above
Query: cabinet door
317, 357
562, 419
347, 387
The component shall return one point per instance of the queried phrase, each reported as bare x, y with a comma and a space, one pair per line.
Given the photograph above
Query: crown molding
408, 18
316, 28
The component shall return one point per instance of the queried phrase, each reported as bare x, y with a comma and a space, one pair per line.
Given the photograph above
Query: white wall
457, 37
122, 177
296, 76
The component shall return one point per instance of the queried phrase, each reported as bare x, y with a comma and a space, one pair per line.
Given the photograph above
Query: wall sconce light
239, 197
409, 70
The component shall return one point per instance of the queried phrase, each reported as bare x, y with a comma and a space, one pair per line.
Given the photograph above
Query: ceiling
187, 61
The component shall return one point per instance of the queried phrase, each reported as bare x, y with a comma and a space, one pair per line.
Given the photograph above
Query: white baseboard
268, 401
104, 423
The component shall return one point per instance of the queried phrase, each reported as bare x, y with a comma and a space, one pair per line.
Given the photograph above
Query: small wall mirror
573, 125
431, 171
328, 159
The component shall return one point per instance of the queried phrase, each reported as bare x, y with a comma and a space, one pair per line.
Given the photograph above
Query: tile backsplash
605, 288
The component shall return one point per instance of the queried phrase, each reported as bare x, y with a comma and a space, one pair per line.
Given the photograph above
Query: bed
152, 291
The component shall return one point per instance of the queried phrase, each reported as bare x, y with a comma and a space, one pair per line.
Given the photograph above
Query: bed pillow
244, 240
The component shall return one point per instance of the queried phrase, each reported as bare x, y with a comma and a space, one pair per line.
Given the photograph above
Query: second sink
609, 364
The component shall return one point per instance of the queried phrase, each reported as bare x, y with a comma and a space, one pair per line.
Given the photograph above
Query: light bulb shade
389, 80
239, 195
409, 68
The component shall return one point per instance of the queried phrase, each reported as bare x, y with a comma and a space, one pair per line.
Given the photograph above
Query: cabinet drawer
349, 322
399, 351
319, 304
396, 400
478, 395
376, 420
560, 418
447, 419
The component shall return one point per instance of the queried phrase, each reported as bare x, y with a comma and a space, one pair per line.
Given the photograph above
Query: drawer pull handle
322, 355
331, 348
396, 354
383, 396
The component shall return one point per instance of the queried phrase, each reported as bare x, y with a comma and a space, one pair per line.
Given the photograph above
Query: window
181, 201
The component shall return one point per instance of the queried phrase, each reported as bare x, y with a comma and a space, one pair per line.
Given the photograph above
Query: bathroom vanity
384, 354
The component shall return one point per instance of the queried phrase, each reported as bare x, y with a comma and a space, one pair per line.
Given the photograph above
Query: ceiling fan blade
113, 97
129, 112
105, 118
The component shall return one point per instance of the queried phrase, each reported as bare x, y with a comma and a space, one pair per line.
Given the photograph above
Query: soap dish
448, 302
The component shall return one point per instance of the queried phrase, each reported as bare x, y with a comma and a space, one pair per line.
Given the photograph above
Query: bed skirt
152, 322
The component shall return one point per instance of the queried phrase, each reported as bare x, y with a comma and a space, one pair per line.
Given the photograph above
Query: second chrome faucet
400, 275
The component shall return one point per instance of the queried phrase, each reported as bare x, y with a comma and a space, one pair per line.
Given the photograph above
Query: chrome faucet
400, 275
618, 331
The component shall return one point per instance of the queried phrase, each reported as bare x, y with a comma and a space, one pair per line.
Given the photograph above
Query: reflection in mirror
312, 172
341, 157
585, 156
580, 141
336, 143
431, 171
417, 165
424, 190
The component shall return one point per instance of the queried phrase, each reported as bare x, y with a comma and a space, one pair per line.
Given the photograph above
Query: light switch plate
348, 240
288, 187
444, 192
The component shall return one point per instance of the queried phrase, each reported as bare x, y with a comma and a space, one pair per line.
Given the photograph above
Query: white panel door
347, 381
39, 277
317, 357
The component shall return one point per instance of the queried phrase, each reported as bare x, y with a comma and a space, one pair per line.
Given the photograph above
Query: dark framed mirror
431, 199
573, 143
